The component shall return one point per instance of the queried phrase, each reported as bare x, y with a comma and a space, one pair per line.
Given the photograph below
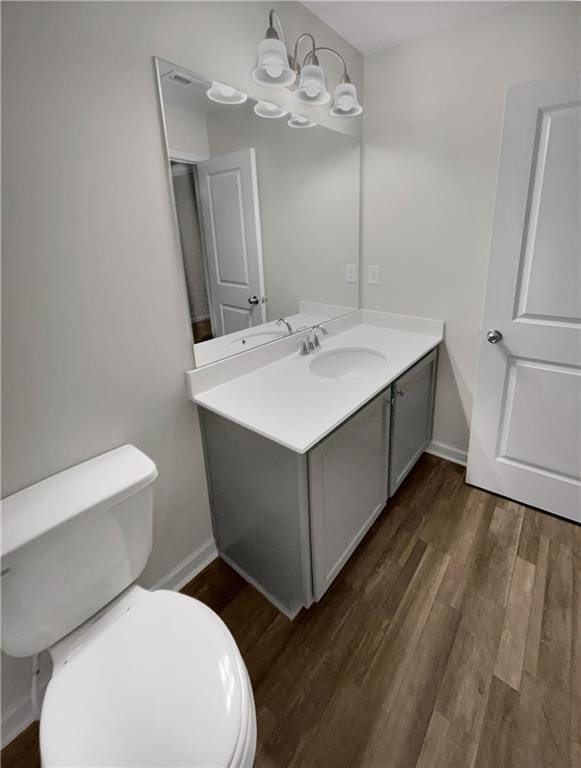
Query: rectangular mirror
267, 210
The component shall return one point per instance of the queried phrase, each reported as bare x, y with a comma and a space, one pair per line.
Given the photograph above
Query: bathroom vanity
302, 452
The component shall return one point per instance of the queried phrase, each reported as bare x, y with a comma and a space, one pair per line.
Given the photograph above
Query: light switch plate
373, 274
350, 273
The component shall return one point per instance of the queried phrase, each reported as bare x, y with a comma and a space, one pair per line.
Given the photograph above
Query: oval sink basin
347, 363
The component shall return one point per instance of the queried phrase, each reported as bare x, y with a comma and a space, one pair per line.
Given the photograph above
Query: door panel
525, 439
229, 210
411, 420
229, 247
549, 279
348, 488
522, 439
235, 318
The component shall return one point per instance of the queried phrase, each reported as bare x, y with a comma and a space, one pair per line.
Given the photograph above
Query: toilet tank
71, 544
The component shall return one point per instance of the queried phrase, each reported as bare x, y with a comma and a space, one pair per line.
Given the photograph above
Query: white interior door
228, 199
525, 439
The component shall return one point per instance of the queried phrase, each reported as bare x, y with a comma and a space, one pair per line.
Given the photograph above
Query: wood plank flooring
451, 638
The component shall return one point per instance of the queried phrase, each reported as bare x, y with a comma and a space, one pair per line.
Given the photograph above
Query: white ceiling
373, 26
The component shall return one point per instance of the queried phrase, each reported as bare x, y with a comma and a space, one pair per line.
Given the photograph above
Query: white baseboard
189, 567
445, 451
19, 715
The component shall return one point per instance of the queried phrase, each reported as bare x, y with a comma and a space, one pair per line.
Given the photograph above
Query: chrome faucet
314, 343
304, 345
282, 321
310, 342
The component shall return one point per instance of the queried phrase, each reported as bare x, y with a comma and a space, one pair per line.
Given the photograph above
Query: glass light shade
300, 121
345, 102
312, 88
225, 94
269, 110
272, 68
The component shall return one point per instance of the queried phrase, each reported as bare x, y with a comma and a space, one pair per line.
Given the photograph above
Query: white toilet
140, 678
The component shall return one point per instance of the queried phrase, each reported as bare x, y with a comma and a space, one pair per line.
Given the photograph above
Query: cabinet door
411, 418
348, 488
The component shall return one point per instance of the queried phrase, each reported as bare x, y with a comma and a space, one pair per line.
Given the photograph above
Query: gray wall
186, 131
432, 137
95, 316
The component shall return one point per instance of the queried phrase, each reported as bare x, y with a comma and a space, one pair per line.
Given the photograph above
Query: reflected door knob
493, 336
253, 300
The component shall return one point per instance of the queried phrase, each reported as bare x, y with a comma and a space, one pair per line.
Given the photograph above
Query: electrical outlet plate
350, 273
373, 274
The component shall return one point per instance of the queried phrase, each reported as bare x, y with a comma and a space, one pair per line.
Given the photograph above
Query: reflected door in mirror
231, 223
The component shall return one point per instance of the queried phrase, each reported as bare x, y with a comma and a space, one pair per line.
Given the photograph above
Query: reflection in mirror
267, 207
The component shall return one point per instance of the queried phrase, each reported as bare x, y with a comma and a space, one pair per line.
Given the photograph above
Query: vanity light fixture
225, 94
300, 121
312, 87
345, 102
273, 67
277, 68
269, 110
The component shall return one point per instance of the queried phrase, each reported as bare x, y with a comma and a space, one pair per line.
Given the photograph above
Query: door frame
187, 158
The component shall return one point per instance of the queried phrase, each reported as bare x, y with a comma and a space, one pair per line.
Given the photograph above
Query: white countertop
286, 402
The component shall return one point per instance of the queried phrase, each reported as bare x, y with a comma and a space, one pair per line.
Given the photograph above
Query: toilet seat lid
164, 685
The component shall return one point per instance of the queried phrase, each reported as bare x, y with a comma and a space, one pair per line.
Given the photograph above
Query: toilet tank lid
101, 482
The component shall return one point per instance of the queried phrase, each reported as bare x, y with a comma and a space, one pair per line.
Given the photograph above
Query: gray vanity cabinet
259, 497
347, 488
288, 522
411, 417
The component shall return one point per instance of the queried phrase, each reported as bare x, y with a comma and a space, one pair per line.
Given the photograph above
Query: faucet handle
314, 342
304, 347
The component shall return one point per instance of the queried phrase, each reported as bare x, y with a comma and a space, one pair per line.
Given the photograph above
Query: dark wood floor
451, 638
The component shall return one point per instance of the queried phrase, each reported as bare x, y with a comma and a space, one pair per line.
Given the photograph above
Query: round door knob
493, 336
253, 300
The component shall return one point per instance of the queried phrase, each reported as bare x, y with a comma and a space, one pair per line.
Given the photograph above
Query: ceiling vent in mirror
179, 78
